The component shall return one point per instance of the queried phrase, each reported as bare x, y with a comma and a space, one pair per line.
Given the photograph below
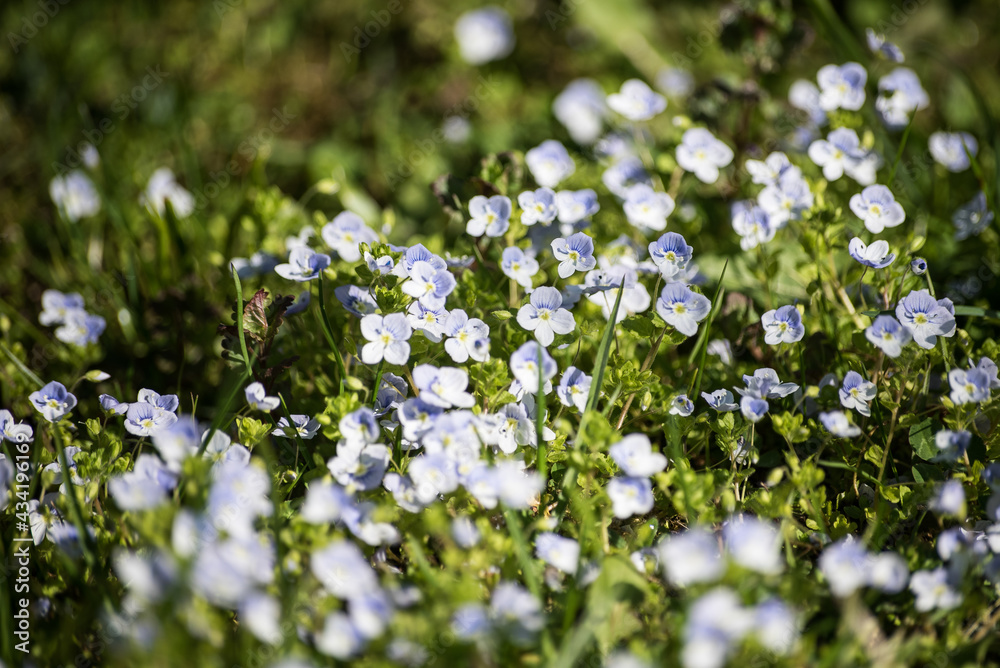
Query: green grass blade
603, 351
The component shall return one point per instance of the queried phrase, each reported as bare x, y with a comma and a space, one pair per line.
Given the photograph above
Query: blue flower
430, 321
702, 154
388, 338
14, 432
952, 444
671, 254
969, 386
545, 316
581, 109
786, 199
804, 95
721, 400
918, 266
636, 101
647, 209
948, 499
549, 163
75, 196
753, 225
381, 265
484, 35
888, 335
345, 234
573, 206
415, 254
53, 401
429, 284
836, 423
630, 496
782, 325
682, 308
524, 367
765, 384
926, 318
80, 328
356, 300
899, 95
878, 208
574, 254
842, 87
444, 387
538, 206
489, 216
167, 402
56, 306
972, 217
949, 149
467, 337
841, 152
856, 393
305, 426
574, 388
880, 47
304, 264
681, 405
517, 266
557, 551
258, 399
143, 419
625, 173
770, 170
876, 256
753, 409
301, 303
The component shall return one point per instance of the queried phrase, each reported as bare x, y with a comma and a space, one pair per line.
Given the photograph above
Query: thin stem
325, 323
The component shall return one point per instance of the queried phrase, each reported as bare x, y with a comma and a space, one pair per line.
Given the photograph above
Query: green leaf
922, 439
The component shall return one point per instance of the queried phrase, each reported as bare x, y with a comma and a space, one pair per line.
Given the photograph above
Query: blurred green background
249, 95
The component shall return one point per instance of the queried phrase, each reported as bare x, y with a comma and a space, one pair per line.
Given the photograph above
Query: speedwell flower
926, 318
878, 208
304, 264
388, 338
489, 216
949, 149
842, 87
875, 256
888, 335
856, 393
782, 325
682, 308
574, 254
701, 153
549, 163
670, 253
258, 400
518, 266
53, 401
545, 316
636, 101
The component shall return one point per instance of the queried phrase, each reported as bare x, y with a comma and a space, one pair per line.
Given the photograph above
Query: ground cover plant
561, 334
